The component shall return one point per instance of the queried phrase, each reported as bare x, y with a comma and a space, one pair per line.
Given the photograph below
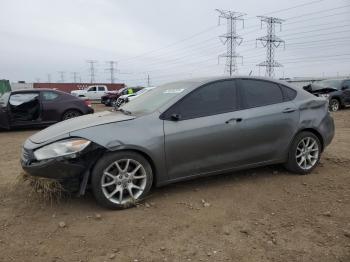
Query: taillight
87, 102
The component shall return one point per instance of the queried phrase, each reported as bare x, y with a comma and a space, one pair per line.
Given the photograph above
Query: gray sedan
183, 130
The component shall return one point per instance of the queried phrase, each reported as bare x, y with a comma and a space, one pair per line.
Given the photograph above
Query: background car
129, 97
94, 92
337, 91
110, 98
183, 130
39, 107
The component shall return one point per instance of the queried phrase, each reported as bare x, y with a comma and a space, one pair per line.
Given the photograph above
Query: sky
166, 40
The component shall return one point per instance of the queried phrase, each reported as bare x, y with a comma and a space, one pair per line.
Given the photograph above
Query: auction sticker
174, 91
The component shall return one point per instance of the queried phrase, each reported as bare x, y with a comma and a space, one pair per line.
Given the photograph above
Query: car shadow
198, 184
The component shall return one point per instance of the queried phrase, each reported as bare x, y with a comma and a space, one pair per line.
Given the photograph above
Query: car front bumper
60, 168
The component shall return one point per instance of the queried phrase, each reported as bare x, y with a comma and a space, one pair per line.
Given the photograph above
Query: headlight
324, 95
61, 148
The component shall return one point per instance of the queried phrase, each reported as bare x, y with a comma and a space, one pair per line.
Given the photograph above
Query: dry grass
49, 190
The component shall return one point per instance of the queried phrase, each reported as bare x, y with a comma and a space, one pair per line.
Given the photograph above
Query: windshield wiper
126, 112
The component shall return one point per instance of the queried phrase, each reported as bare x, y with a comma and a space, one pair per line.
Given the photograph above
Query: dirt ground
264, 214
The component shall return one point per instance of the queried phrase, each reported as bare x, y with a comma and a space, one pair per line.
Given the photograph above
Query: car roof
205, 80
37, 90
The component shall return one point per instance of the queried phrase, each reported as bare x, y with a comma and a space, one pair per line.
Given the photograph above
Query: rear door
101, 90
269, 120
206, 136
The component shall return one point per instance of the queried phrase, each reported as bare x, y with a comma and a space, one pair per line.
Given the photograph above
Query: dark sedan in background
111, 97
337, 91
39, 107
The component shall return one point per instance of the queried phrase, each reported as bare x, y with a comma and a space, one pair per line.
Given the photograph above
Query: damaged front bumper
69, 170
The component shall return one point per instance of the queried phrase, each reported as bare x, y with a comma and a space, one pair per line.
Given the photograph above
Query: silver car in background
180, 131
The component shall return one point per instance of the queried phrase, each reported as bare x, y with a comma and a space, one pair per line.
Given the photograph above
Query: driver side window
92, 89
211, 99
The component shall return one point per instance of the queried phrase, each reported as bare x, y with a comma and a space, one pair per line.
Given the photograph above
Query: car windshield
4, 98
157, 97
332, 83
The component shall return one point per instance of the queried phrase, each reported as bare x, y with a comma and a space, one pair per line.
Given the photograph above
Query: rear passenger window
257, 93
48, 96
289, 93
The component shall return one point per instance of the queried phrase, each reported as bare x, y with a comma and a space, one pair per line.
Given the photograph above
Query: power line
92, 69
231, 38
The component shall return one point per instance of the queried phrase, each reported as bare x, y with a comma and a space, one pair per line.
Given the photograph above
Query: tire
334, 105
70, 114
311, 155
111, 185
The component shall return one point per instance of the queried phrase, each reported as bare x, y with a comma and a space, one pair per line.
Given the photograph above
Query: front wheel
119, 180
304, 153
334, 105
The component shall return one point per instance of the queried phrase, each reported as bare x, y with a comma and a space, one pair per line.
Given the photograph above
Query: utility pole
92, 70
75, 76
148, 81
112, 69
62, 76
49, 78
270, 41
231, 39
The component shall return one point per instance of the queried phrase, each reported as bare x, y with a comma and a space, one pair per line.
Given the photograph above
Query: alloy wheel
123, 181
70, 114
334, 105
307, 153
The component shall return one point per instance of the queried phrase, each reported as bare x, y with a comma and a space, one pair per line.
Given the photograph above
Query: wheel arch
71, 109
315, 132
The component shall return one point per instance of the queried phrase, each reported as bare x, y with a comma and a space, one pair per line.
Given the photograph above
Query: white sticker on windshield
174, 91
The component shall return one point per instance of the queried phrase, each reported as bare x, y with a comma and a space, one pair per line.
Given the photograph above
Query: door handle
233, 120
288, 110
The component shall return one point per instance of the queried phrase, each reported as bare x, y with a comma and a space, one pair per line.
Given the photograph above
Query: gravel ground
265, 214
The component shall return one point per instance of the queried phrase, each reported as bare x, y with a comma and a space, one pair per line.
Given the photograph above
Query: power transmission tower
49, 78
112, 69
62, 76
92, 70
231, 39
75, 76
270, 41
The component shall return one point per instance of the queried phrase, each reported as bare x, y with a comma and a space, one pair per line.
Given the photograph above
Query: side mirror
175, 117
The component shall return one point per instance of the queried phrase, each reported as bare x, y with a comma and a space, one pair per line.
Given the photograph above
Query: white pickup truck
93, 92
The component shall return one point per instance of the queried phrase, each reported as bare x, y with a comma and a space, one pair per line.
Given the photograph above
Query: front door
205, 134
346, 91
24, 109
92, 93
4, 117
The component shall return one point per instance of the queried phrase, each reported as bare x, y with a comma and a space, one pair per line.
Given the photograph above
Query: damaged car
183, 130
39, 107
336, 91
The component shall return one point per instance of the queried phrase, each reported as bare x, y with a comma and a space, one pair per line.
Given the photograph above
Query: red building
68, 87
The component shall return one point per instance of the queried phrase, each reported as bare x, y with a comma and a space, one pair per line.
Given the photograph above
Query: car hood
322, 89
62, 129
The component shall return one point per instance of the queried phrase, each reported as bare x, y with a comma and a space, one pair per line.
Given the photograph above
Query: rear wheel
119, 180
70, 114
304, 153
334, 105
